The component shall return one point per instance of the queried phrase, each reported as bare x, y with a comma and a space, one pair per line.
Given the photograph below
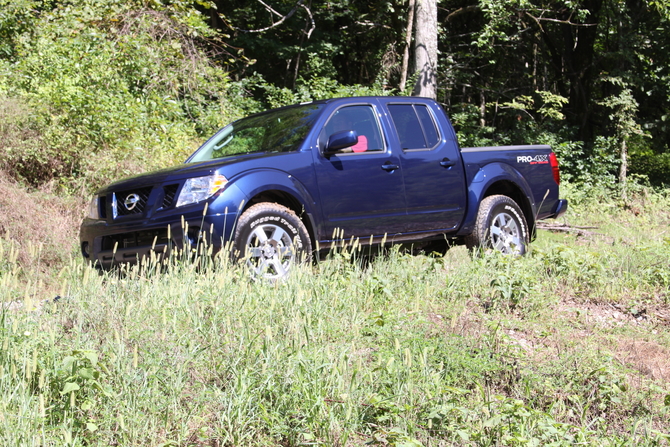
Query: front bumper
107, 246
118, 240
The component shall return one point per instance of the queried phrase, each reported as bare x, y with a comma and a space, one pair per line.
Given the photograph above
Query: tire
271, 239
500, 226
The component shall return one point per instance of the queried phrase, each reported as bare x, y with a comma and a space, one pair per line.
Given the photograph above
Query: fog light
193, 236
84, 249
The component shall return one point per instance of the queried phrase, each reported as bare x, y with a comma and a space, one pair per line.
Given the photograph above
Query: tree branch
269, 8
282, 20
564, 22
311, 18
463, 10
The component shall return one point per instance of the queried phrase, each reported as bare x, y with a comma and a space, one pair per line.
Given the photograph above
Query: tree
624, 108
349, 41
425, 49
408, 42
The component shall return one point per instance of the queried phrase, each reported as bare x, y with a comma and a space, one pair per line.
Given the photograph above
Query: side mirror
339, 141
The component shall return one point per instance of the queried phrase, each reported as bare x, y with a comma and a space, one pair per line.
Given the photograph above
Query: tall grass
400, 350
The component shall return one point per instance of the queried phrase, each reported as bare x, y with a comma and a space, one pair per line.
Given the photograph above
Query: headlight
94, 208
200, 188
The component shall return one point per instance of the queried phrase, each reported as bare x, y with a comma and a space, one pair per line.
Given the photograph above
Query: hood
228, 166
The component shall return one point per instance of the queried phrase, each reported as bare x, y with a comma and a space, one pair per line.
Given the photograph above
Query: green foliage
80, 384
122, 89
465, 120
594, 56
588, 166
314, 88
16, 18
544, 105
655, 167
351, 42
623, 108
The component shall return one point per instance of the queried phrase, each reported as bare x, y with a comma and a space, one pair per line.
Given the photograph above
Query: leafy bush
310, 89
21, 140
655, 167
121, 90
465, 119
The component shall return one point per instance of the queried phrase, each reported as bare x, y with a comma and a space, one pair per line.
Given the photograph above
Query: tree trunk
482, 109
408, 42
572, 50
425, 48
623, 169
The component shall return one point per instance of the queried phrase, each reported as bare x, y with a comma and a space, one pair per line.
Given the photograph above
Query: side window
414, 125
428, 125
360, 119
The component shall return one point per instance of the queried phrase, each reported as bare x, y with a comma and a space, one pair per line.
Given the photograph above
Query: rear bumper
559, 209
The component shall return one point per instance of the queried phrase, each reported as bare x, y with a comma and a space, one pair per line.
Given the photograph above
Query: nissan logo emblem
131, 201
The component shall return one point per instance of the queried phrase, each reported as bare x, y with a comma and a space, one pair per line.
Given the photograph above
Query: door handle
446, 163
388, 166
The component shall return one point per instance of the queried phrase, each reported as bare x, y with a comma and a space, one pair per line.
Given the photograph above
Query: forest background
96, 89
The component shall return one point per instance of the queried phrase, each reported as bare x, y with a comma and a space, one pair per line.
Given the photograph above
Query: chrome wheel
500, 226
505, 234
270, 252
270, 239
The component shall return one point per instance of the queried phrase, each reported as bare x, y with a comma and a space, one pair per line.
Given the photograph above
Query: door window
414, 125
360, 119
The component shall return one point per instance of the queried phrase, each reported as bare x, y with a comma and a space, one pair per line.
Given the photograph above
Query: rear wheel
500, 226
271, 240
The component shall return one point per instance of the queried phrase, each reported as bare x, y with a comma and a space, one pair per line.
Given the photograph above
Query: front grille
132, 202
149, 238
169, 193
102, 207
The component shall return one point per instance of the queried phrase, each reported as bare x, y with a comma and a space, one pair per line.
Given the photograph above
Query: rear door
361, 189
431, 166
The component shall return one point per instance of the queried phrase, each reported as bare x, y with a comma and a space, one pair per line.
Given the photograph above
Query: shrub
110, 90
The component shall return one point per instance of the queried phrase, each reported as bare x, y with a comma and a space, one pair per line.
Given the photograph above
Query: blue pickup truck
284, 185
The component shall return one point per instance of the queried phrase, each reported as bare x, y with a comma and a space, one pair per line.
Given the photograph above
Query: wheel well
511, 190
285, 199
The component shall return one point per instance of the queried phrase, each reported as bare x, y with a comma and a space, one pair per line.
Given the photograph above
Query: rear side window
428, 125
414, 125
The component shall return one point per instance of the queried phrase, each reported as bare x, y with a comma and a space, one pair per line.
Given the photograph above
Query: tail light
554, 168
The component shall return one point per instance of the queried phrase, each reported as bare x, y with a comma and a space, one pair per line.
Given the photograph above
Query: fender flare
483, 185
256, 182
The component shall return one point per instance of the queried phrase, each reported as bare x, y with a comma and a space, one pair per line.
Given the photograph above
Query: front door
361, 187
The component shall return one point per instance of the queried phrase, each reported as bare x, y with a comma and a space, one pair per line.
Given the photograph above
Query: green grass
565, 346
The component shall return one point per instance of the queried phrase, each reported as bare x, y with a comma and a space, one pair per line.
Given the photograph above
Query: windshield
281, 130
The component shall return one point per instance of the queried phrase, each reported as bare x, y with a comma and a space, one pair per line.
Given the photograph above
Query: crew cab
282, 186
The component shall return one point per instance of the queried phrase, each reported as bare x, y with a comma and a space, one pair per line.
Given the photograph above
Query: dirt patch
606, 315
40, 223
465, 322
648, 357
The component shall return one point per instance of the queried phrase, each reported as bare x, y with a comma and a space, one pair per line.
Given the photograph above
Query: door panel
361, 188
435, 193
432, 171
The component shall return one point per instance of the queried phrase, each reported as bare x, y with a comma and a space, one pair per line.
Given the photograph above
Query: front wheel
271, 239
500, 226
